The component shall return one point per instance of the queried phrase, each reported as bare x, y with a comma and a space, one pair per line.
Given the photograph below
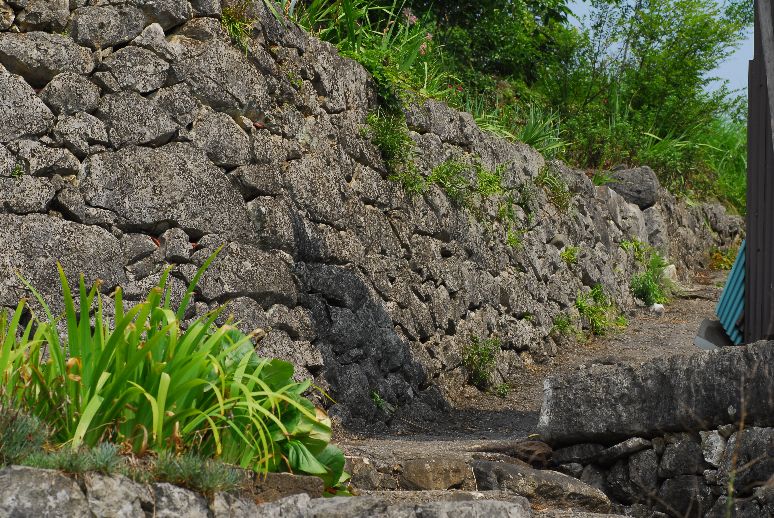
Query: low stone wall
719, 457
682, 475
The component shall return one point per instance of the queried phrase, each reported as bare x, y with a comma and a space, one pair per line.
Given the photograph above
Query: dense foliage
142, 379
629, 85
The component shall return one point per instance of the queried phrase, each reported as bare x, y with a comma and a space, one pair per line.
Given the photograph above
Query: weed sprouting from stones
479, 359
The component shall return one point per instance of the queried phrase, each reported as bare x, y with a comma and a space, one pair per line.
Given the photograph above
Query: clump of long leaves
392, 43
146, 383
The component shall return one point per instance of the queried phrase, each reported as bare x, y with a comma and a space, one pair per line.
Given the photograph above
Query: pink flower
410, 17
429, 37
423, 49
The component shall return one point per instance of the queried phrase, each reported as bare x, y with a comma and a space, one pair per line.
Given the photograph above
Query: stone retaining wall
134, 135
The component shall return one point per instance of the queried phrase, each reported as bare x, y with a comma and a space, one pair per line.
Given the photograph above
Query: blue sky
734, 69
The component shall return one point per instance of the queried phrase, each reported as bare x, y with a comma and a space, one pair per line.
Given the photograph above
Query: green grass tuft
479, 359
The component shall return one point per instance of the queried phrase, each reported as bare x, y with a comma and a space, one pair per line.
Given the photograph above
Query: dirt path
489, 417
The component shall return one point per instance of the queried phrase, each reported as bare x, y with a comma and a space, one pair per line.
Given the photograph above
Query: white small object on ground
658, 309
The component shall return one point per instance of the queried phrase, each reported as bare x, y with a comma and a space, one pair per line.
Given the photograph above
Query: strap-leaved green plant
146, 381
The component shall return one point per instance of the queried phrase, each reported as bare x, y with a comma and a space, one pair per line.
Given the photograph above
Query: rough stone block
681, 393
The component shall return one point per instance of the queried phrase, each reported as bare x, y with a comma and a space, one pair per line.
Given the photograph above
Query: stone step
605, 404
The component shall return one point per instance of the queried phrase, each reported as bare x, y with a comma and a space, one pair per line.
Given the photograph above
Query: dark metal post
759, 292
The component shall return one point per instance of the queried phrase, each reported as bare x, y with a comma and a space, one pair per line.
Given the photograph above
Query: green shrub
598, 311
145, 383
451, 176
502, 390
395, 46
556, 189
237, 24
563, 325
389, 133
479, 358
104, 458
489, 183
639, 249
570, 255
602, 178
21, 435
723, 258
650, 285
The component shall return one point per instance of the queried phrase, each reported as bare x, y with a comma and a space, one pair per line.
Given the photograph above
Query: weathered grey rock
242, 270
167, 13
116, 496
44, 15
713, 445
69, 93
225, 505
572, 469
175, 245
135, 247
34, 243
543, 487
222, 139
306, 358
173, 502
172, 186
686, 495
205, 29
153, 38
38, 492
643, 474
274, 486
80, 132
22, 113
137, 69
178, 102
39, 160
220, 76
39, 56
25, 194
639, 186
206, 7
739, 508
368, 506
749, 456
132, 119
671, 394
582, 453
7, 16
104, 26
9, 166
437, 473
622, 450
683, 457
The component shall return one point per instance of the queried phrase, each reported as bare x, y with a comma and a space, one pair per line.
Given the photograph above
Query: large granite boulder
681, 393
36, 492
39, 56
22, 113
639, 186
155, 189
33, 244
